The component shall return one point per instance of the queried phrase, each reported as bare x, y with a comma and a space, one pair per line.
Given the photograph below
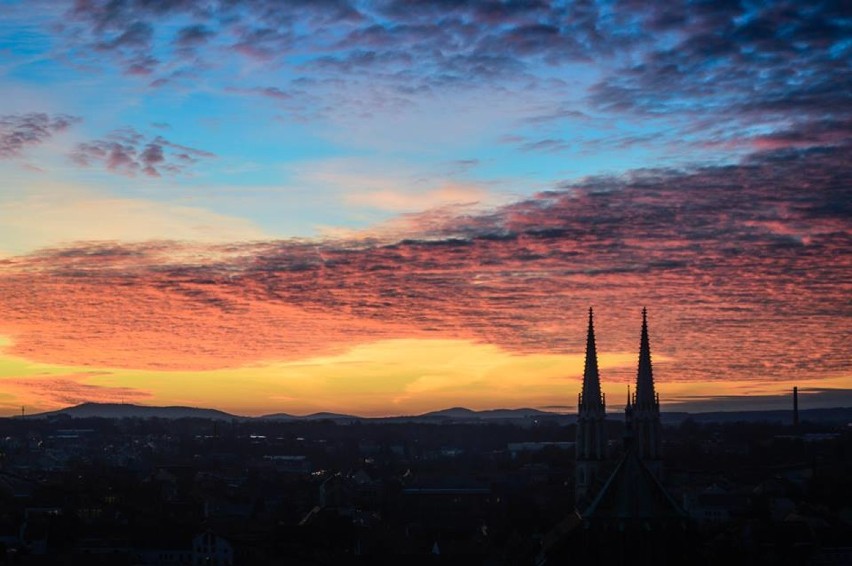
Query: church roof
633, 492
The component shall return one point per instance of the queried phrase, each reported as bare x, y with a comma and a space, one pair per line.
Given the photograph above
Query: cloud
734, 75
401, 201
723, 73
19, 132
129, 152
376, 187
271, 92
743, 267
548, 145
61, 214
736, 67
193, 36
47, 392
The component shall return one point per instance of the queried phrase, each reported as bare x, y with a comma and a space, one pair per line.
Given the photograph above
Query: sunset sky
391, 207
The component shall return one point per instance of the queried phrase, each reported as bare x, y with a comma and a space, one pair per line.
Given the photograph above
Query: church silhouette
623, 514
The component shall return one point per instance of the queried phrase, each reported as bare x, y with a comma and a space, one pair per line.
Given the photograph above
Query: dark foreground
197, 491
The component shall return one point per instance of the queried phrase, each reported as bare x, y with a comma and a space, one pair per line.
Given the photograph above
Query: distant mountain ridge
833, 414
122, 410
453, 414
126, 410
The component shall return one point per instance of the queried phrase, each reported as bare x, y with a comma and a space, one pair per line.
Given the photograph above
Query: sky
389, 207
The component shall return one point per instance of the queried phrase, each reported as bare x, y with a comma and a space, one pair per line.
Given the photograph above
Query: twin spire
645, 394
642, 417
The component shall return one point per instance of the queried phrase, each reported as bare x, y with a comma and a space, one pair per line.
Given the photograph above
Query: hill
122, 410
454, 414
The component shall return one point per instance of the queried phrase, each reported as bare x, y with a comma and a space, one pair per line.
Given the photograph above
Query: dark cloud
556, 115
813, 133
740, 67
135, 35
733, 65
193, 36
19, 132
262, 29
141, 66
264, 44
128, 152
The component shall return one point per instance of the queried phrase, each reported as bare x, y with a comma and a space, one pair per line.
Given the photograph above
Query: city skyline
384, 208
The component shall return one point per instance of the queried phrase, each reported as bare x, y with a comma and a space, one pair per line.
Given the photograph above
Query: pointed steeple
643, 415
591, 441
645, 394
591, 395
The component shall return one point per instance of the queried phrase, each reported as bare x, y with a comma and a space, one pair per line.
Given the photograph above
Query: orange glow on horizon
386, 378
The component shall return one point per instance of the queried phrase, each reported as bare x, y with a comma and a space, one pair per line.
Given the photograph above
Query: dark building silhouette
630, 518
796, 407
642, 413
591, 431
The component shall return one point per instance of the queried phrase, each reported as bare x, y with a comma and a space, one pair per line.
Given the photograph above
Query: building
591, 442
642, 413
625, 516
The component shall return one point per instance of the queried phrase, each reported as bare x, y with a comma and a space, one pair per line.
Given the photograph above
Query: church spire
591, 394
591, 441
643, 415
645, 394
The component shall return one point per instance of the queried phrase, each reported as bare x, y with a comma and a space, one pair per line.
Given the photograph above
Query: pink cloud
57, 391
743, 268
